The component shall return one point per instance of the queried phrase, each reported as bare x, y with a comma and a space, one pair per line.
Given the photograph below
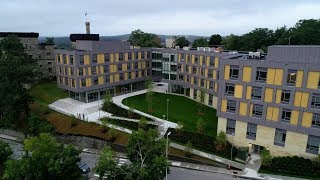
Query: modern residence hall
268, 101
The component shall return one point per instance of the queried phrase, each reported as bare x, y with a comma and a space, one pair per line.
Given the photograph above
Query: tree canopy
140, 38
5, 153
200, 42
215, 40
181, 41
16, 69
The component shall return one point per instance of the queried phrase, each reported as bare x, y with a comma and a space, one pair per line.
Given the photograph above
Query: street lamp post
167, 147
126, 91
167, 109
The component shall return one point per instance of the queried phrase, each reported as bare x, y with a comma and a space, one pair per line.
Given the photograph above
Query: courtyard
179, 109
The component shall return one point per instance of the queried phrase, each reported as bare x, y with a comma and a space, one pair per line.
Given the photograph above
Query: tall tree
181, 41
107, 101
49, 40
16, 69
140, 38
146, 153
305, 32
215, 40
37, 126
200, 42
5, 153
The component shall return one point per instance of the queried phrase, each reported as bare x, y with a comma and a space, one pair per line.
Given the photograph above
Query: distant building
43, 52
169, 42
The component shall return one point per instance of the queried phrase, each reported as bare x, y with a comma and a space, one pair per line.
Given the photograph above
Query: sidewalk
4, 136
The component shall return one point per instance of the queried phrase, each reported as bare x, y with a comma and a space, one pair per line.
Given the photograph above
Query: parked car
83, 167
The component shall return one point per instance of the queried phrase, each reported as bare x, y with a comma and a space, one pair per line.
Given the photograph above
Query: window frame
315, 120
94, 59
230, 108
234, 69
283, 95
251, 134
254, 90
282, 139
228, 89
255, 108
258, 74
284, 117
310, 148
315, 101
231, 127
291, 73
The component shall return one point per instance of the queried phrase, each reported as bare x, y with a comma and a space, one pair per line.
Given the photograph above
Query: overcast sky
109, 17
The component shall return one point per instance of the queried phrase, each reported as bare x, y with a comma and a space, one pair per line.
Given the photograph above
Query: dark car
83, 167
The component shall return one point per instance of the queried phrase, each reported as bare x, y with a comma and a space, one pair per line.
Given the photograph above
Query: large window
194, 70
120, 56
231, 106
286, 115
119, 67
230, 89
315, 101
80, 72
107, 78
257, 110
234, 72
261, 74
106, 57
93, 70
121, 76
285, 96
256, 93
195, 59
95, 81
212, 61
130, 55
136, 56
251, 131
291, 77
280, 137
195, 81
81, 58
83, 83
231, 126
106, 68
313, 144
316, 120
71, 59
210, 99
142, 55
94, 58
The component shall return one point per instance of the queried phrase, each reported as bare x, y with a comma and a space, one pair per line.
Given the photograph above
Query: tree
107, 101
215, 40
107, 165
149, 95
200, 99
200, 42
188, 149
5, 153
44, 159
113, 134
305, 32
49, 40
140, 38
146, 153
266, 158
221, 142
181, 41
37, 126
143, 123
201, 125
179, 127
16, 69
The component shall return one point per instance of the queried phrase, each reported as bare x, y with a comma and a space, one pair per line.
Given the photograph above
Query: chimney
88, 27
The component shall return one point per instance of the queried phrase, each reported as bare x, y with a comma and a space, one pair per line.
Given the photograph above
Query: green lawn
47, 92
180, 109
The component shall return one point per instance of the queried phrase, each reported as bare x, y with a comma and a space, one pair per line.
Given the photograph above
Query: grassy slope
46, 93
180, 109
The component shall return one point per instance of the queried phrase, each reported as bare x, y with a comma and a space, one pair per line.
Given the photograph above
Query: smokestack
88, 27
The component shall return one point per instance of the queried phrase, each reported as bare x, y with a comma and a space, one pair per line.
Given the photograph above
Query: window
313, 144
251, 131
93, 70
195, 94
129, 55
106, 57
64, 59
291, 77
202, 72
81, 59
256, 93
136, 65
257, 110
195, 81
129, 75
210, 100
316, 120
106, 68
211, 85
71, 71
136, 55
211, 61
94, 58
315, 101
202, 82
142, 55
230, 89
231, 126
195, 59
83, 83
128, 66
319, 84
261, 74
121, 76
119, 67
71, 59
66, 81
194, 70
95, 81
137, 74
107, 78
286, 115
203, 61
285, 96
280, 137
234, 72
231, 106
120, 56
181, 78
80, 72
210, 73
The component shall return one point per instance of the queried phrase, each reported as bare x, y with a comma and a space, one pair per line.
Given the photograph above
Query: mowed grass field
180, 109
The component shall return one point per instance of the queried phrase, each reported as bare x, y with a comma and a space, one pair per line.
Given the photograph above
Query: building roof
85, 37
20, 34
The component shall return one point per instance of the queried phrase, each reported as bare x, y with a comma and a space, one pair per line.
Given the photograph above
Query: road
176, 172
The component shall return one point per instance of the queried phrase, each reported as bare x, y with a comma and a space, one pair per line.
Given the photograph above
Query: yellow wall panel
306, 119
238, 91
270, 75
243, 109
88, 82
216, 87
125, 76
200, 59
216, 62
89, 71
111, 57
297, 99
248, 94
299, 78
69, 71
124, 67
100, 80
269, 113
208, 61
304, 99
101, 70
251, 109
133, 75
126, 56
68, 59
275, 114
84, 72
192, 58
226, 71
139, 74
214, 74
86, 59
294, 117
139, 55
268, 95
206, 73
61, 56
278, 96
278, 77
246, 76
116, 57
224, 105
313, 80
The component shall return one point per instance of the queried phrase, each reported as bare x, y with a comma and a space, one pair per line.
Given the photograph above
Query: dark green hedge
293, 165
130, 124
118, 111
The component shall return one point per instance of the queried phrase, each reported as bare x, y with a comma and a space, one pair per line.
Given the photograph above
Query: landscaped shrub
296, 166
187, 150
129, 124
266, 158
